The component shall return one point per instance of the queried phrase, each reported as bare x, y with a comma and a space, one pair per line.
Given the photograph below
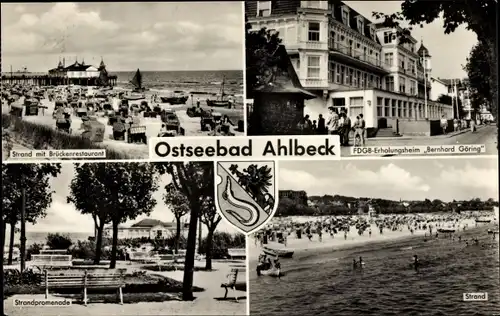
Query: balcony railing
315, 45
314, 83
350, 51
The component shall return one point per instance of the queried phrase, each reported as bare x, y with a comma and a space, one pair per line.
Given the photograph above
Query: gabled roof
151, 223
285, 79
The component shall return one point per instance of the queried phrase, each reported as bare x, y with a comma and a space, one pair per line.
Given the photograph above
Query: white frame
314, 67
258, 9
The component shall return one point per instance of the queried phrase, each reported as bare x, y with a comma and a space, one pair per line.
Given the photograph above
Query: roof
285, 79
151, 223
423, 51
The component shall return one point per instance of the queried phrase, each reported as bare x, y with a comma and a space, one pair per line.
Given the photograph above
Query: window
343, 79
377, 82
387, 106
345, 16
404, 108
364, 80
370, 82
331, 70
313, 66
394, 106
399, 108
402, 84
387, 37
355, 78
410, 109
331, 39
389, 83
380, 105
338, 102
413, 87
361, 26
351, 74
337, 74
372, 32
401, 61
263, 8
389, 59
356, 101
313, 31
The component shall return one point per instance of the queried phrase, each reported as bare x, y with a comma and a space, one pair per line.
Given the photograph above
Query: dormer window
263, 8
345, 15
372, 32
361, 26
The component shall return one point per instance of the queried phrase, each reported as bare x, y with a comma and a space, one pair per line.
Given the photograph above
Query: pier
51, 80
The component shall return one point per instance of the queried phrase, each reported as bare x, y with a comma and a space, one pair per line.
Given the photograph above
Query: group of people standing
337, 123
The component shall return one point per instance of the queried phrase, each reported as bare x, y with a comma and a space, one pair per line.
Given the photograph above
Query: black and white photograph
122, 238
376, 73
378, 237
112, 75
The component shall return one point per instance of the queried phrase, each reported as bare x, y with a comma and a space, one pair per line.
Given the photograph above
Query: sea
322, 282
190, 82
41, 237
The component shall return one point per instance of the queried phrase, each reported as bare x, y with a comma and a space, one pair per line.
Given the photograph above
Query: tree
209, 217
35, 180
260, 47
126, 191
478, 70
179, 205
479, 16
87, 194
446, 99
58, 241
196, 181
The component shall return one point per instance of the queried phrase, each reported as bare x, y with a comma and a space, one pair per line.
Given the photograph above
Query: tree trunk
177, 234
208, 249
114, 247
98, 243
187, 284
4, 227
11, 245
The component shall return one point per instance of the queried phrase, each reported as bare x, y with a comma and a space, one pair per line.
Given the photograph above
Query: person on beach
347, 129
363, 129
333, 120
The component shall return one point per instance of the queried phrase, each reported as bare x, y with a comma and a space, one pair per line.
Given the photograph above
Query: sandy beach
191, 125
337, 241
207, 302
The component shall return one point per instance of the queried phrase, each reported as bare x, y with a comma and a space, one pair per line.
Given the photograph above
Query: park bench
51, 260
86, 280
237, 253
233, 283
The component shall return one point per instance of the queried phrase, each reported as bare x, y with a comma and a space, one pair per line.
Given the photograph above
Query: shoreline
338, 243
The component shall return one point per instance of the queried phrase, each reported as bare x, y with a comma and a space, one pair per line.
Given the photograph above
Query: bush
58, 241
14, 277
33, 249
86, 250
221, 242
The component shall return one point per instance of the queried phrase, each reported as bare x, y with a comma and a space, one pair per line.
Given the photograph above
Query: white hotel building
350, 62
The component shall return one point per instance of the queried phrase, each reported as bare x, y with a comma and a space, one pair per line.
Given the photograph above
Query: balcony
349, 55
310, 83
306, 45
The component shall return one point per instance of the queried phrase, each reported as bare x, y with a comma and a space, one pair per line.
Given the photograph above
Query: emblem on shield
246, 193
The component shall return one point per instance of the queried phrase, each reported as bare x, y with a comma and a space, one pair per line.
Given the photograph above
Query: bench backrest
53, 252
100, 278
52, 260
237, 252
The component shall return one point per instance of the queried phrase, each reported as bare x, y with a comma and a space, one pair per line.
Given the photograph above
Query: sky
63, 217
149, 36
395, 179
448, 51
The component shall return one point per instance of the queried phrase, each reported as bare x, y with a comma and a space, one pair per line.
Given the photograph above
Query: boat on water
446, 230
282, 253
493, 231
273, 272
137, 82
221, 102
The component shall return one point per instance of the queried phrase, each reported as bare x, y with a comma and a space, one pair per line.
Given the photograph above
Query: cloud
75, 29
390, 176
472, 177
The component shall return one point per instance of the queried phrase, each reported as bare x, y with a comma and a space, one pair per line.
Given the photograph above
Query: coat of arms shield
246, 193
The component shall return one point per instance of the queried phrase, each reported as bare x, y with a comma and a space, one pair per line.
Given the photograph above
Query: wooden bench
47, 260
233, 283
86, 280
237, 253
